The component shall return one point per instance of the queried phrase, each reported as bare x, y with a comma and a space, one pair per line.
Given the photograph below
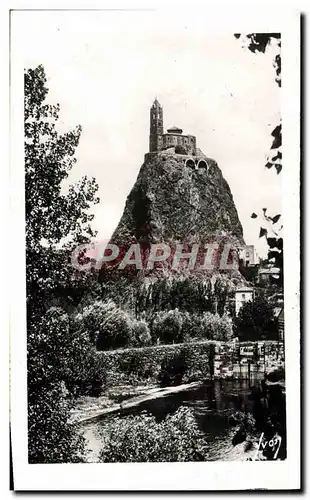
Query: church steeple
156, 126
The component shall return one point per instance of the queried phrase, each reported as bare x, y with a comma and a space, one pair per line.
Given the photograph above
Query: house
242, 295
266, 275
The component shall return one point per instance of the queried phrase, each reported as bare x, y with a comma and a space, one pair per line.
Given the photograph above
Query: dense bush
59, 352
133, 364
176, 326
214, 327
52, 439
110, 327
107, 325
255, 321
140, 333
173, 369
141, 438
61, 362
167, 327
191, 326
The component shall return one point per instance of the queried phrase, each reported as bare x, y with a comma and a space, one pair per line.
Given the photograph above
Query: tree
52, 218
214, 327
220, 294
51, 215
259, 42
167, 327
274, 242
256, 321
106, 325
61, 363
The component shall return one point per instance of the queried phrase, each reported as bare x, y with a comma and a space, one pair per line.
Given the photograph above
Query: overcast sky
105, 69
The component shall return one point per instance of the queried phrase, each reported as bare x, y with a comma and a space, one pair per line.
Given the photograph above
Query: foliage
133, 365
274, 242
214, 327
191, 326
52, 217
173, 369
141, 438
174, 326
220, 293
138, 365
250, 273
59, 359
256, 321
140, 333
167, 327
107, 325
110, 327
51, 438
189, 294
57, 351
258, 42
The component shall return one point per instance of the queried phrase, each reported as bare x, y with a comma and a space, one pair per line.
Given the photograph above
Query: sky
105, 69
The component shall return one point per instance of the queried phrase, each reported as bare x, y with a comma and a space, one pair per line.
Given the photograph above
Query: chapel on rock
173, 140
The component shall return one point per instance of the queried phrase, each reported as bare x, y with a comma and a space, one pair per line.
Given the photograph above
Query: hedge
143, 365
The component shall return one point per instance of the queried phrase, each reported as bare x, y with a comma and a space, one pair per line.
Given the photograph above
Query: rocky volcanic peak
172, 202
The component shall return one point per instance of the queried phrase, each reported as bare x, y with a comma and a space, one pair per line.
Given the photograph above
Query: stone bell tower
156, 127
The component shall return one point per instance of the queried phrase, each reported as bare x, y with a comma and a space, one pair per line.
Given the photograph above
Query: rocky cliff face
172, 203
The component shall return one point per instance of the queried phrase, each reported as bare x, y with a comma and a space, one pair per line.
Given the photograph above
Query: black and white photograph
159, 301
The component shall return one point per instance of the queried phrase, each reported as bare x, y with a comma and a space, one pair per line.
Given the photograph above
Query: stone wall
239, 360
172, 140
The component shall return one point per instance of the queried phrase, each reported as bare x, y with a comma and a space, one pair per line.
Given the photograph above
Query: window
243, 296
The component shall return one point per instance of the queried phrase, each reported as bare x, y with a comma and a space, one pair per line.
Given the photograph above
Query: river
212, 403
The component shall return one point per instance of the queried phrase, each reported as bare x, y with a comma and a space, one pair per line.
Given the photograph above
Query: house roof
175, 130
244, 289
273, 270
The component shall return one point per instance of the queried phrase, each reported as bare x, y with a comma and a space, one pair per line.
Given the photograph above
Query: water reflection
215, 397
212, 404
